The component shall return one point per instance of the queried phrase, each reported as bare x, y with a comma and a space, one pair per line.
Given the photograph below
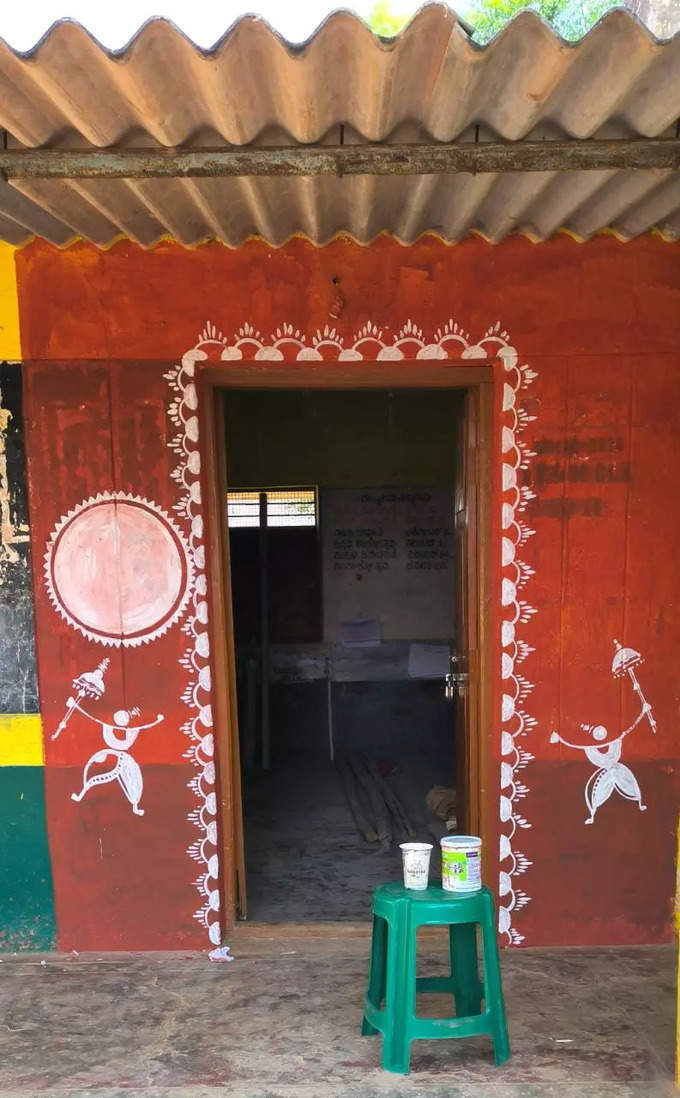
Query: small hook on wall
337, 304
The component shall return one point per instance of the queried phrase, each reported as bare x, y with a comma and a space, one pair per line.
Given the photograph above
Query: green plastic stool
397, 914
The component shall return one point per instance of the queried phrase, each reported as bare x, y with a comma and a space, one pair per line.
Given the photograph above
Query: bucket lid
469, 842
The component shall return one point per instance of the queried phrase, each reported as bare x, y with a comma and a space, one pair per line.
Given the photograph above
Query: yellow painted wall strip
21, 740
677, 927
10, 340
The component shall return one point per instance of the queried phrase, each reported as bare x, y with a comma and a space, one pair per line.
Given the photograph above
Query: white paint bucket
461, 863
416, 862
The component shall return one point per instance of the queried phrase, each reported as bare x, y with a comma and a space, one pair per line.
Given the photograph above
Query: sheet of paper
363, 633
428, 661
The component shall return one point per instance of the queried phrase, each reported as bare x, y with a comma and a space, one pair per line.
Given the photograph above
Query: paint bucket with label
461, 863
416, 861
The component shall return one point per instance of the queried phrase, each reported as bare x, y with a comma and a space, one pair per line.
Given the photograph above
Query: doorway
349, 573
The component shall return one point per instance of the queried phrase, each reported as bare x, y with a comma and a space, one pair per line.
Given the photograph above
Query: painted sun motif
119, 570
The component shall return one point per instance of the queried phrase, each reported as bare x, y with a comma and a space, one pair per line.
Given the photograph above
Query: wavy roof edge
617, 82
70, 26
340, 235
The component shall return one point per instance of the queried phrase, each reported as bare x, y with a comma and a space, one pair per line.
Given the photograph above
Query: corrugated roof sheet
431, 82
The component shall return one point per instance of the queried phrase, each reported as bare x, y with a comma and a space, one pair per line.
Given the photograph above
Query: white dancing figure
611, 774
118, 737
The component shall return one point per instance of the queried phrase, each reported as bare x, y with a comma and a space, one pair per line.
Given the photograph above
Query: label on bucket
461, 870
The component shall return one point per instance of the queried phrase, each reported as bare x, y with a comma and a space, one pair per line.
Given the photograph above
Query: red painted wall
124, 882
600, 325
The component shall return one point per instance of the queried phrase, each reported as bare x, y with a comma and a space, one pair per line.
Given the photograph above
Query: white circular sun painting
119, 569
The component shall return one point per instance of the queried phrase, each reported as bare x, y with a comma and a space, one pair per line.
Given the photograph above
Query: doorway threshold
244, 931
335, 930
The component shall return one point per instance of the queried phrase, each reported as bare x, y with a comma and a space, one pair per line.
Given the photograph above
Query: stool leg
493, 990
401, 992
465, 969
377, 972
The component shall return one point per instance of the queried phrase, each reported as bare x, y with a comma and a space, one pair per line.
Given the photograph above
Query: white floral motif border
449, 341
196, 659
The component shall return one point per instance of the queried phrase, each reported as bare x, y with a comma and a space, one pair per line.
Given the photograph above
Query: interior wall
384, 460
339, 439
599, 326
337, 442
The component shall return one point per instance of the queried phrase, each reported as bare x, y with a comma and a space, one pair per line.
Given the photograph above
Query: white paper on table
428, 661
362, 633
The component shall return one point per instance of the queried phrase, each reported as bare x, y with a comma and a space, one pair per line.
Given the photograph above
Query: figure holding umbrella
88, 685
611, 774
118, 735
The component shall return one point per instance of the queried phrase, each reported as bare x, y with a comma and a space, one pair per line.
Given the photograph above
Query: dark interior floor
305, 859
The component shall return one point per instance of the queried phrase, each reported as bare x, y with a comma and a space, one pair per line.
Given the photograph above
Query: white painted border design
516, 723
196, 659
288, 343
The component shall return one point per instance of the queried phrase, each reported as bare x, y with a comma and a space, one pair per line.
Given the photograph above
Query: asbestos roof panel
430, 83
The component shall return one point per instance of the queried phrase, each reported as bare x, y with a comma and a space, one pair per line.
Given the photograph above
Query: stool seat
398, 912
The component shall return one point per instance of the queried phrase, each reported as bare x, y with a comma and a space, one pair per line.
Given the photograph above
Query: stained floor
282, 1021
305, 859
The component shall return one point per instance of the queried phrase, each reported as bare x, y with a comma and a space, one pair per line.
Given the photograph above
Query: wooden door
226, 702
465, 664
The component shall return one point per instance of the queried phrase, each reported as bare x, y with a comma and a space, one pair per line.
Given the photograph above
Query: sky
113, 22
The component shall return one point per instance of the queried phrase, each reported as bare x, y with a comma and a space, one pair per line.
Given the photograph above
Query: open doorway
348, 597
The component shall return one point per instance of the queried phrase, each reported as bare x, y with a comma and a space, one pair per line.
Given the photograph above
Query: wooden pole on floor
351, 788
402, 822
376, 803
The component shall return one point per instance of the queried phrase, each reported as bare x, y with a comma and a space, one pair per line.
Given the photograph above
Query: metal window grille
243, 508
285, 507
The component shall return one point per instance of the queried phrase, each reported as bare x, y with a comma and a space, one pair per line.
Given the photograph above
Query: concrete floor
282, 1021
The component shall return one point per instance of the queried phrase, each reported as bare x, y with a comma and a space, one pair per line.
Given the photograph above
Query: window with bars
284, 507
287, 551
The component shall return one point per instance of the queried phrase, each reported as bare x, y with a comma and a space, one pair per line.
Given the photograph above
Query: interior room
343, 577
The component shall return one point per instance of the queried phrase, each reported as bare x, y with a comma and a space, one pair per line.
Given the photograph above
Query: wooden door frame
405, 374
